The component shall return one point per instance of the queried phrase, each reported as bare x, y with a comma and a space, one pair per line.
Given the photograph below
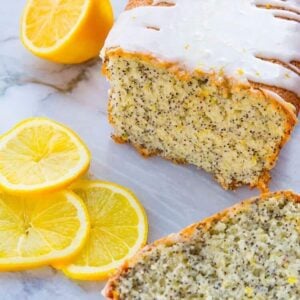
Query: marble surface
174, 196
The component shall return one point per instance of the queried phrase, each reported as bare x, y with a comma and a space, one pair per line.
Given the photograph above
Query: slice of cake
250, 251
209, 83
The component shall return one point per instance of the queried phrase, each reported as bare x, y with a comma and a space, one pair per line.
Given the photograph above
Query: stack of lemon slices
49, 216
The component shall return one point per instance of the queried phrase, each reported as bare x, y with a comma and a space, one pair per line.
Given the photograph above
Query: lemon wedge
66, 31
36, 231
40, 155
118, 230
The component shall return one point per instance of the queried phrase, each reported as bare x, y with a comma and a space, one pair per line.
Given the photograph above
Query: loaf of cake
210, 83
250, 251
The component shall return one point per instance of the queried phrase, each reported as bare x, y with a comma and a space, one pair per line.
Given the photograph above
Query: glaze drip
216, 35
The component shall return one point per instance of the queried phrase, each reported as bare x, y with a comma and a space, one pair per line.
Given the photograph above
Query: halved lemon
66, 31
36, 231
118, 230
41, 155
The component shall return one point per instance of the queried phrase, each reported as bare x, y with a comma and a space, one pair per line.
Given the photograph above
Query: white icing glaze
286, 14
295, 68
287, 4
216, 35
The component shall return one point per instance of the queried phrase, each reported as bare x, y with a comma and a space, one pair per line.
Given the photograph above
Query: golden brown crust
136, 3
288, 96
111, 294
284, 94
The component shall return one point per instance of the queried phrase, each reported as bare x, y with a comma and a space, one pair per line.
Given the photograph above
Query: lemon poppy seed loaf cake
211, 83
250, 251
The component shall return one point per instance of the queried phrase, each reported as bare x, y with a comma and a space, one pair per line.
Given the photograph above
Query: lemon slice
38, 231
66, 31
41, 155
118, 230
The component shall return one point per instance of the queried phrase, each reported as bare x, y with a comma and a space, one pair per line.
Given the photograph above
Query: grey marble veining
174, 196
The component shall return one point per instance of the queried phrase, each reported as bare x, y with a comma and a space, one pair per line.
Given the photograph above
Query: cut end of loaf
250, 251
234, 132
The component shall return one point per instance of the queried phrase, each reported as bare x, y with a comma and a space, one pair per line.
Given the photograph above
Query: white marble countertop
174, 196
